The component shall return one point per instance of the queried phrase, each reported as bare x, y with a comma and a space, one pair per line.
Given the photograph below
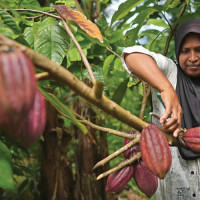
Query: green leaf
107, 63
9, 21
124, 9
171, 4
120, 92
6, 174
32, 4
157, 22
63, 109
132, 35
30, 32
8, 32
116, 36
51, 40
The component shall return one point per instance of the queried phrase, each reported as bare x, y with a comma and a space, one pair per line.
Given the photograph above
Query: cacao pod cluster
22, 106
155, 162
146, 181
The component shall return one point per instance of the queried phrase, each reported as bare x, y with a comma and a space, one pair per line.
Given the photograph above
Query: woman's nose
193, 56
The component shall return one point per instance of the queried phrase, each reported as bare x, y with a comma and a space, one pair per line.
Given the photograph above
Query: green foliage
135, 22
6, 174
63, 109
66, 2
124, 9
51, 40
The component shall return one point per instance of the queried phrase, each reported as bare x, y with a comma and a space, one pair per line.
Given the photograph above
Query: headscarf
188, 88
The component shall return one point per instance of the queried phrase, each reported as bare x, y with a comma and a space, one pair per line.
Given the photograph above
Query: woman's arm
145, 68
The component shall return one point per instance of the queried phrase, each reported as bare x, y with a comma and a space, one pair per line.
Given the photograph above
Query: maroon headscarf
188, 88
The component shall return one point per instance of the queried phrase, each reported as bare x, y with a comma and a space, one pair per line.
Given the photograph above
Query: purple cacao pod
17, 86
117, 180
133, 150
146, 181
192, 139
155, 150
34, 124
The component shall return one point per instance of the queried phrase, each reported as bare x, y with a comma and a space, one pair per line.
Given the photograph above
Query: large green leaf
9, 21
63, 109
6, 174
132, 35
51, 40
124, 9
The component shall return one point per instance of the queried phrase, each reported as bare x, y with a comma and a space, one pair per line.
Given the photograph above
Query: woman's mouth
193, 67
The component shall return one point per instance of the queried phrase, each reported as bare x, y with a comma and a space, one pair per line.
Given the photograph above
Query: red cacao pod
191, 138
17, 86
146, 181
34, 124
155, 150
133, 150
117, 180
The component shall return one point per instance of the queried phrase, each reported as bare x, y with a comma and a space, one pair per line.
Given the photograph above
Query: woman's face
189, 55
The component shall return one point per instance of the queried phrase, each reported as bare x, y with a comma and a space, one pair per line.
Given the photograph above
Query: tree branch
63, 75
118, 152
120, 166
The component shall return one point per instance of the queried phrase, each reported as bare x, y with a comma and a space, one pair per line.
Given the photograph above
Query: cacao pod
155, 150
34, 124
133, 150
191, 138
117, 180
146, 181
17, 86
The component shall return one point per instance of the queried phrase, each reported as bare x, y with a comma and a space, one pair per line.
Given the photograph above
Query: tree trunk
56, 173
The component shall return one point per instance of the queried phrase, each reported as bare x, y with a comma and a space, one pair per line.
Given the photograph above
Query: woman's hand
173, 112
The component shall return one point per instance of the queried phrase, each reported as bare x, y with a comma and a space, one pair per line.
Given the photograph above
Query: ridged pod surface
192, 139
146, 181
155, 150
117, 180
133, 150
17, 86
34, 124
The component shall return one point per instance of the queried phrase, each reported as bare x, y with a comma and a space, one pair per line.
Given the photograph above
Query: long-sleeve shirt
183, 179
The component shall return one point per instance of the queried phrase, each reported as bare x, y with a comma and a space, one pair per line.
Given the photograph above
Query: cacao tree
91, 101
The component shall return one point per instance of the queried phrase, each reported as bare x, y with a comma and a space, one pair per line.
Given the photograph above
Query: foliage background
139, 22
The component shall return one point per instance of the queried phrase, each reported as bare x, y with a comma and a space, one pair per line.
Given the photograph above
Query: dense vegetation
59, 165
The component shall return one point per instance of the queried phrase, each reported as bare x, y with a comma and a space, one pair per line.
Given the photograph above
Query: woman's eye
184, 51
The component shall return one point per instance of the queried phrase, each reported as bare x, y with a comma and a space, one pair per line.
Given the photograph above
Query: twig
137, 82
173, 30
120, 166
87, 65
118, 152
42, 76
108, 130
113, 52
37, 11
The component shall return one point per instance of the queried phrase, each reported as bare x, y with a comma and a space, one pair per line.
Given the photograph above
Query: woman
179, 86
